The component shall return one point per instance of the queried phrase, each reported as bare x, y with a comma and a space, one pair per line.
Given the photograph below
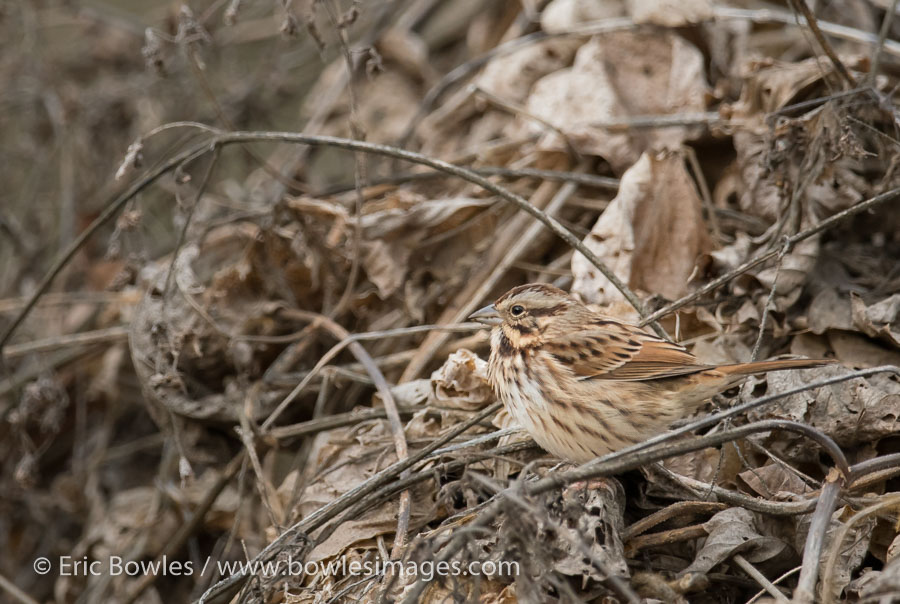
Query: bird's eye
517, 310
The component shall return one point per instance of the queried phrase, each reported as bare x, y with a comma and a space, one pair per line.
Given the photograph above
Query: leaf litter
248, 427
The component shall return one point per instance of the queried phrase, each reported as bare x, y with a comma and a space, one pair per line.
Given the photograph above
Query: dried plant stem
754, 504
330, 422
359, 161
381, 385
767, 307
815, 539
877, 464
678, 535
182, 235
784, 576
678, 509
771, 15
108, 334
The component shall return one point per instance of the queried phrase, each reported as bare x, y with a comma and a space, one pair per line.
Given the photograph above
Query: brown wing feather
616, 351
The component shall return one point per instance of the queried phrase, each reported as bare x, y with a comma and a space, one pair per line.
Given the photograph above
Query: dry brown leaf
829, 310
701, 465
851, 412
879, 320
386, 265
650, 235
733, 531
773, 481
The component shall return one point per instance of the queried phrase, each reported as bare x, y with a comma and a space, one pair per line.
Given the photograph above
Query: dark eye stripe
546, 312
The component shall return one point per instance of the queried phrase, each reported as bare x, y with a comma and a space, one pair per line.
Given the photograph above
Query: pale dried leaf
511, 76
733, 531
615, 76
879, 320
670, 13
461, 382
563, 15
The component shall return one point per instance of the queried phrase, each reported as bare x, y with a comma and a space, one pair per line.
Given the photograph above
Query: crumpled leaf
512, 76
829, 310
616, 76
386, 265
731, 532
879, 320
773, 481
650, 236
461, 382
850, 412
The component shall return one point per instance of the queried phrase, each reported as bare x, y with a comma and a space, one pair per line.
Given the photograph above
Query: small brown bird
583, 384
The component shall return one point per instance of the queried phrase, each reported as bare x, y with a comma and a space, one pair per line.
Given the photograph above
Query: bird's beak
487, 315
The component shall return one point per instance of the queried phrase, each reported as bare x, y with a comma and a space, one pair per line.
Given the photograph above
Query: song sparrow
583, 384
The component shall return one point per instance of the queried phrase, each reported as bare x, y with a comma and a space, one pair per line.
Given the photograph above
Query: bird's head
525, 313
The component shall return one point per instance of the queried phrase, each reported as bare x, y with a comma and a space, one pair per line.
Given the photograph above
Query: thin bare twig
772, 15
767, 307
109, 334
12, 590
763, 592
760, 578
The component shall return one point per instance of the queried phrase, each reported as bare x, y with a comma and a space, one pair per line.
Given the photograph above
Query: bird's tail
763, 366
